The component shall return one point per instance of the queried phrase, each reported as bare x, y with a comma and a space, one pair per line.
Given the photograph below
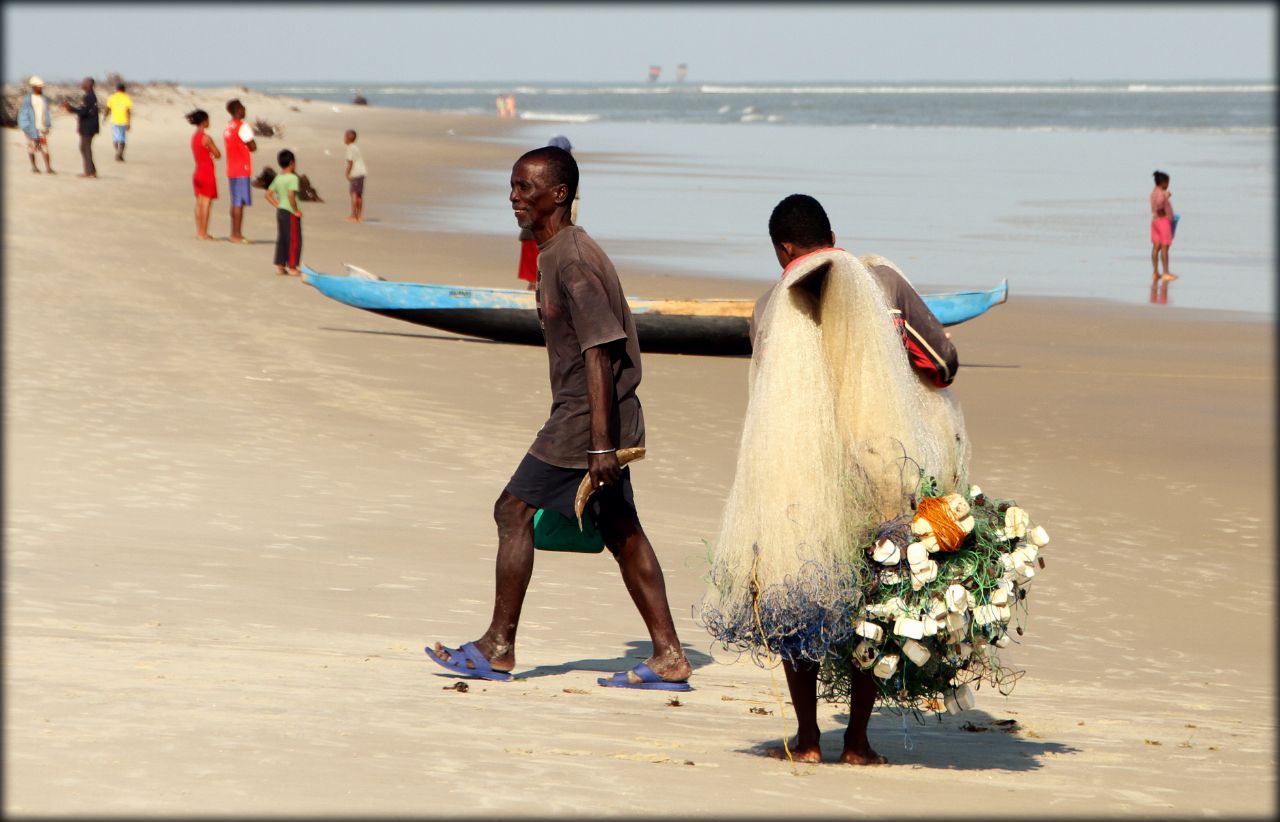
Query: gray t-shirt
580, 306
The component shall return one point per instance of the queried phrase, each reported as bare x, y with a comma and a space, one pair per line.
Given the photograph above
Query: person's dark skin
237, 212
542, 206
802, 678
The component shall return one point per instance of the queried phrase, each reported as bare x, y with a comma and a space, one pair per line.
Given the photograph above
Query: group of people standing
36, 121
282, 192
506, 105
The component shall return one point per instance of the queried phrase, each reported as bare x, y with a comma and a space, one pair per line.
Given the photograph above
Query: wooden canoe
718, 327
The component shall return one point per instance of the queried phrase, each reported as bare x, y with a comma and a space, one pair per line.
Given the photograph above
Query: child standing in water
283, 194
1161, 227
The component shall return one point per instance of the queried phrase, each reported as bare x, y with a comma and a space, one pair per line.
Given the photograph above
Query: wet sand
237, 510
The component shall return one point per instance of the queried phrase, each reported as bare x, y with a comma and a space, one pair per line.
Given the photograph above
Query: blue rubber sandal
649, 681
457, 663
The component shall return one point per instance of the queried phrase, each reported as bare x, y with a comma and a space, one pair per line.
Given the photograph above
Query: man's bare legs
237, 218
857, 748
357, 208
514, 518
802, 683
641, 574
643, 578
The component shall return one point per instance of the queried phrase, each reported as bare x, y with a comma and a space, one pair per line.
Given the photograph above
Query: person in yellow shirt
120, 109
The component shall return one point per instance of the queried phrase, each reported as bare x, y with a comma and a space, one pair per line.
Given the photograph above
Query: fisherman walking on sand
595, 368
838, 408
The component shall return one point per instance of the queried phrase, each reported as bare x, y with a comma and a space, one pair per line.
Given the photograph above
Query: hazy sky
240, 42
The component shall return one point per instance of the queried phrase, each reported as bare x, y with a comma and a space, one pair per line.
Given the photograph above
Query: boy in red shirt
239, 142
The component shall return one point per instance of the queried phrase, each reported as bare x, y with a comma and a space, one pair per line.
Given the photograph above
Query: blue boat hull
716, 327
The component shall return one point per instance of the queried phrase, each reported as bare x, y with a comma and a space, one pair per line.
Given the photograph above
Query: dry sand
236, 511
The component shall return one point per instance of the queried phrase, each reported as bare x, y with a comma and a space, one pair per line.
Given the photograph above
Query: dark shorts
357, 186
549, 486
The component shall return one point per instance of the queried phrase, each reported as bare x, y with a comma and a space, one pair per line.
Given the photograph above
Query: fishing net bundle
837, 433
949, 584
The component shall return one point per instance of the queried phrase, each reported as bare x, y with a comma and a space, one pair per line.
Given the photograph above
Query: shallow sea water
1059, 213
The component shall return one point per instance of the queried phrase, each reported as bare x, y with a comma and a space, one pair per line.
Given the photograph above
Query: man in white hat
35, 121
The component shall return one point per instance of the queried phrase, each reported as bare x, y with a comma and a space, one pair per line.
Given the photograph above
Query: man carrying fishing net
848, 410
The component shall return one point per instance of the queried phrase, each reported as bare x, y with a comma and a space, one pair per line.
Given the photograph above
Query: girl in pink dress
205, 179
1161, 227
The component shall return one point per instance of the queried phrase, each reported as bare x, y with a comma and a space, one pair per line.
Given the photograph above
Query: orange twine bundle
936, 512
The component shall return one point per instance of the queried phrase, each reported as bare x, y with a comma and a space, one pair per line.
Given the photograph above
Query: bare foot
88, 176
812, 753
35, 170
293, 272
206, 237
50, 171
280, 270
1167, 277
235, 239
862, 756
352, 219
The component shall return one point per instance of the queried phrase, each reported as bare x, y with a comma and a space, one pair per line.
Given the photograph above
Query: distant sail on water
681, 71
654, 73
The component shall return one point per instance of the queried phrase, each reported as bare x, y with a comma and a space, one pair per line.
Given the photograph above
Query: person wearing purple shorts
239, 143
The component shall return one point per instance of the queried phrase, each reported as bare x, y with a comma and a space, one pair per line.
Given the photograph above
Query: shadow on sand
971, 741
636, 651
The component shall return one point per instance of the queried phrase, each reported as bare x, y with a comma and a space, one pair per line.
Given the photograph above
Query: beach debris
306, 191
674, 702
574, 691
263, 128
264, 177
758, 711
973, 729
460, 687
625, 456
